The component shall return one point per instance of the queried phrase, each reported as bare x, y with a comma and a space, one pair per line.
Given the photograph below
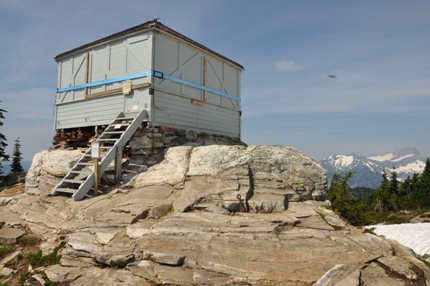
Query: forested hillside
362, 206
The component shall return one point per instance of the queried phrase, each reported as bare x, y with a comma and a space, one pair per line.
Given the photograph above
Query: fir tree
424, 185
16, 166
3, 144
415, 190
382, 194
405, 190
393, 189
339, 192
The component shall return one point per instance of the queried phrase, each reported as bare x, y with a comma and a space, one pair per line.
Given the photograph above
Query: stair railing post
95, 154
118, 162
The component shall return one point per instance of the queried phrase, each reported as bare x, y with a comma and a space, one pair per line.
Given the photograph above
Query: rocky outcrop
266, 178
181, 223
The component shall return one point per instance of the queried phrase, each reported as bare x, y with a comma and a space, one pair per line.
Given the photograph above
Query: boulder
48, 165
340, 274
9, 235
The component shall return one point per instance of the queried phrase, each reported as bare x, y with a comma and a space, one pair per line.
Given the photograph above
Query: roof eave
146, 26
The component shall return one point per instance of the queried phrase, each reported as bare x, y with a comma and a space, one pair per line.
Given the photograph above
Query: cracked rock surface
181, 223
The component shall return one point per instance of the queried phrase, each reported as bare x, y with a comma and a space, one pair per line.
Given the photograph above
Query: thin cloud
287, 65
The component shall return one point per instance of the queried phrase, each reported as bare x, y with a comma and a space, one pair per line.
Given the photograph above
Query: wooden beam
117, 90
106, 92
87, 70
96, 176
204, 77
140, 85
118, 162
198, 102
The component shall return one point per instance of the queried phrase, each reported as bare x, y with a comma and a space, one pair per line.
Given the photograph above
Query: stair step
113, 132
87, 158
124, 118
66, 190
113, 125
89, 155
73, 181
80, 172
108, 139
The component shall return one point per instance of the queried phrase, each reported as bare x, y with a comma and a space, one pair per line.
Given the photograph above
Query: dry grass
13, 190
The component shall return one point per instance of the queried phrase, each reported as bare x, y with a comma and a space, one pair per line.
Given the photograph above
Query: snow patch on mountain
414, 167
369, 165
343, 161
381, 158
403, 157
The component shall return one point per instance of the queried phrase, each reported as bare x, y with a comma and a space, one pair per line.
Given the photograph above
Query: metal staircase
80, 178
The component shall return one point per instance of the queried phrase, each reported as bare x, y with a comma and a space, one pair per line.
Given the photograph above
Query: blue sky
378, 50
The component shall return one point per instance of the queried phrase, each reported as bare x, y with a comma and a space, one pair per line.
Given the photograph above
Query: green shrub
5, 250
371, 230
24, 277
28, 240
424, 261
396, 220
335, 227
37, 260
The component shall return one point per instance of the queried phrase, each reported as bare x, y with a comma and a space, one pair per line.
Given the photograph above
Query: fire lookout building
152, 69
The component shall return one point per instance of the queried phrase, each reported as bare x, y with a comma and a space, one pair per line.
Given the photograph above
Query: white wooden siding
90, 112
170, 110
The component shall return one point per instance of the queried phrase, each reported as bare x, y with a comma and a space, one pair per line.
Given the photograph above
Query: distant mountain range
369, 168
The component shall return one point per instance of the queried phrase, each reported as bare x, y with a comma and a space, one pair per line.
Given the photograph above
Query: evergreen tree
424, 185
415, 190
405, 191
393, 189
3, 144
16, 166
339, 193
382, 194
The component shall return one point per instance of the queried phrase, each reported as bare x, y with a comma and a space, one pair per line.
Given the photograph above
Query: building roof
153, 24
